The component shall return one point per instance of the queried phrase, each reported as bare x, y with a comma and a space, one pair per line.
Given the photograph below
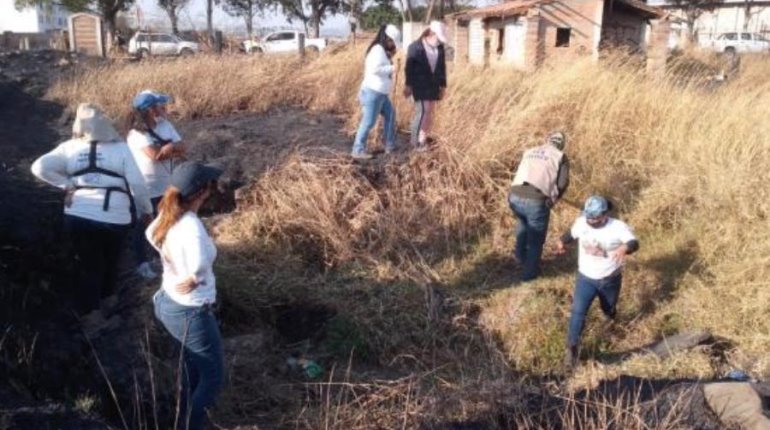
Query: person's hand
165, 152
619, 254
187, 286
561, 249
69, 192
146, 219
441, 93
407, 92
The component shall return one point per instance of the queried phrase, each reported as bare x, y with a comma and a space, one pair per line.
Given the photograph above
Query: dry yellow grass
687, 166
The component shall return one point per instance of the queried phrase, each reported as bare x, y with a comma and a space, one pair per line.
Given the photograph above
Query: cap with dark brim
191, 176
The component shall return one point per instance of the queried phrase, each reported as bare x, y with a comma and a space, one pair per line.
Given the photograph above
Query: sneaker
145, 271
362, 156
421, 148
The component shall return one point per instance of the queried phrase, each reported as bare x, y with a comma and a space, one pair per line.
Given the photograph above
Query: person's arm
409, 68
630, 244
567, 239
136, 184
441, 68
562, 178
52, 168
197, 262
377, 62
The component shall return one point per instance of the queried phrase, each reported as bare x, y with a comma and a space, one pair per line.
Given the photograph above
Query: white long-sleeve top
57, 167
188, 251
378, 71
157, 174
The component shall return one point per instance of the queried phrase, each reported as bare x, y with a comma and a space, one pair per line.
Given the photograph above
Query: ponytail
170, 210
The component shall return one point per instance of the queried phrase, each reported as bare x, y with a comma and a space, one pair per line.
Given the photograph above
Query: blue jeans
196, 330
374, 104
533, 218
140, 241
586, 290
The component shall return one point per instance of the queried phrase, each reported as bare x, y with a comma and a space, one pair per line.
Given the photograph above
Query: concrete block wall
476, 42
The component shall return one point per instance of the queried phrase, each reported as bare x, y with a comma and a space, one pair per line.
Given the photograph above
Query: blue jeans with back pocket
202, 375
533, 216
374, 104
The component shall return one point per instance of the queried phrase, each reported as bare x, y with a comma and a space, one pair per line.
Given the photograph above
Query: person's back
90, 189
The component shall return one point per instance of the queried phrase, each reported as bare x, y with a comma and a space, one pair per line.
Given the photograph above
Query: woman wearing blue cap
603, 242
155, 144
184, 303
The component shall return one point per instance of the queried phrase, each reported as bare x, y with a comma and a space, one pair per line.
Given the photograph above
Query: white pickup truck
732, 43
282, 41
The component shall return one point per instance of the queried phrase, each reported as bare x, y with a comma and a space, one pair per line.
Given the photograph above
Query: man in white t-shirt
603, 243
156, 147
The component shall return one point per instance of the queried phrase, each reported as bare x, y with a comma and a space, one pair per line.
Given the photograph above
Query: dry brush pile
687, 166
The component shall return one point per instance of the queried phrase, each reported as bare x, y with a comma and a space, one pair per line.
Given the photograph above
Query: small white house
38, 19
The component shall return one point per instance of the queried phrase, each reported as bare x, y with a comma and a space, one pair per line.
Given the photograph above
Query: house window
562, 37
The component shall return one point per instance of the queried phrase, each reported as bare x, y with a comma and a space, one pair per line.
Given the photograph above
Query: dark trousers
96, 246
139, 240
196, 332
586, 290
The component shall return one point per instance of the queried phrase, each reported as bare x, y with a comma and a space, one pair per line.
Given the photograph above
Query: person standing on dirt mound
103, 193
604, 243
426, 81
155, 144
184, 303
375, 89
541, 180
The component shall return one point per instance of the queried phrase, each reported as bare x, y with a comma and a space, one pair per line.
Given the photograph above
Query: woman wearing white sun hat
426, 80
375, 91
103, 192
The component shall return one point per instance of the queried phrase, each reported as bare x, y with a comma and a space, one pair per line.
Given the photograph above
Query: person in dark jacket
425, 81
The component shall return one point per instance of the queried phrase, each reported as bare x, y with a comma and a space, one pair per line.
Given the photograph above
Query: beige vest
539, 167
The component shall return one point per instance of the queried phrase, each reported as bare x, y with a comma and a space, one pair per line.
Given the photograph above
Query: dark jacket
425, 83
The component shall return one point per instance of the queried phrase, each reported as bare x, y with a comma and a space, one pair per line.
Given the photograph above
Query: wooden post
301, 44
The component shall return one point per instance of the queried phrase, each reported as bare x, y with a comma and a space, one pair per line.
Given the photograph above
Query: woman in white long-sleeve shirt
188, 290
375, 89
103, 194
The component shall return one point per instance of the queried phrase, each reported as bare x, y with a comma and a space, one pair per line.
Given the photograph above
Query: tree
693, 9
107, 8
247, 9
296, 9
382, 12
172, 8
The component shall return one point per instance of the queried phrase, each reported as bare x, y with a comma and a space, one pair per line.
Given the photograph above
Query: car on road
282, 42
740, 42
160, 44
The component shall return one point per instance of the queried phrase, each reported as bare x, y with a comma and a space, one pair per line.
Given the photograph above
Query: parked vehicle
738, 42
282, 41
160, 44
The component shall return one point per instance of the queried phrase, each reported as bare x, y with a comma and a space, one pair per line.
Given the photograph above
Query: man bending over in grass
604, 243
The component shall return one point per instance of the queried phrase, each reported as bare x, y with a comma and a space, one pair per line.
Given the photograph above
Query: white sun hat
439, 29
91, 124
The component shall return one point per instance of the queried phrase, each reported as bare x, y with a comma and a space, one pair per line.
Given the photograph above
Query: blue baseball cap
147, 99
191, 177
595, 207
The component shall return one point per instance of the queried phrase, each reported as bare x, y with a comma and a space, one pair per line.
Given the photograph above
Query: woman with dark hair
184, 303
375, 90
156, 145
425, 81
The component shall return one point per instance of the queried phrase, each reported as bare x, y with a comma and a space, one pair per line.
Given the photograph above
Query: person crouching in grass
603, 242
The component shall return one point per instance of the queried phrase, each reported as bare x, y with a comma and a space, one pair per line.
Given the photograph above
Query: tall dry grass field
687, 166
